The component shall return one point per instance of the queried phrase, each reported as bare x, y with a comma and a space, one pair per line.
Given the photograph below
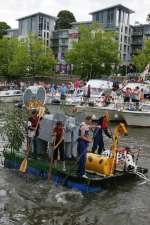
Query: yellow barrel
98, 163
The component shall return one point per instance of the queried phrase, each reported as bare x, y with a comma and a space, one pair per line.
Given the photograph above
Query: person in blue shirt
63, 91
52, 90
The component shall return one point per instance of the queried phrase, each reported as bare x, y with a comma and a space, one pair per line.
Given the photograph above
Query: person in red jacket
58, 153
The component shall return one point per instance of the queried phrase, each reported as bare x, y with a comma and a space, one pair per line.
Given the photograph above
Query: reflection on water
34, 202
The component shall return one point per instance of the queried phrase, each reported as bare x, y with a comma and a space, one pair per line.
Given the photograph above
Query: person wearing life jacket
83, 143
102, 126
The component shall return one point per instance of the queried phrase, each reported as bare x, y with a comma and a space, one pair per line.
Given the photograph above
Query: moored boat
122, 112
11, 96
114, 114
136, 118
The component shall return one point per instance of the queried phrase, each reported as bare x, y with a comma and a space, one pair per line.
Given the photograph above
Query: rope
141, 175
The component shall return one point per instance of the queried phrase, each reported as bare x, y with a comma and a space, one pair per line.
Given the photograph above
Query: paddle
53, 147
51, 162
24, 164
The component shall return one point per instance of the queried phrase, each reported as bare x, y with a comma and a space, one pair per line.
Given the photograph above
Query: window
126, 30
124, 57
47, 25
125, 48
110, 16
121, 38
44, 24
97, 17
101, 17
126, 39
119, 20
40, 25
64, 49
47, 34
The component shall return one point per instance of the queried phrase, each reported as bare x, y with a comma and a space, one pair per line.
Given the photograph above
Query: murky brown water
35, 202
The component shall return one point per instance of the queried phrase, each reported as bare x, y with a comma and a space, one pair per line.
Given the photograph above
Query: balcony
137, 33
137, 42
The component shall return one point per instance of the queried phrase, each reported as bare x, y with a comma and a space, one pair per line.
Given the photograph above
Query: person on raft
83, 141
100, 125
58, 153
33, 128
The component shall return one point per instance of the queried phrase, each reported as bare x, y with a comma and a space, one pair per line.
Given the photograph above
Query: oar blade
23, 166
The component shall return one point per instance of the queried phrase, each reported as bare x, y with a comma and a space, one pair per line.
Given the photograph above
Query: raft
94, 183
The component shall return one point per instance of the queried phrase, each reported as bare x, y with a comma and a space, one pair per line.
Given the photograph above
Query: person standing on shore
63, 92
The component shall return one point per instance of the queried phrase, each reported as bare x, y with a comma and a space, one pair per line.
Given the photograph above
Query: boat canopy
101, 84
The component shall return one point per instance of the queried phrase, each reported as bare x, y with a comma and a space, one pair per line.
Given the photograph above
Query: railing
117, 104
132, 106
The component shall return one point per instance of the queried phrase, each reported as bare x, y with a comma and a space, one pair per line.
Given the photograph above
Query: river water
35, 202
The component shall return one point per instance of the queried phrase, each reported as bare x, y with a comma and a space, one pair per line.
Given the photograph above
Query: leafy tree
13, 129
41, 58
7, 49
142, 57
27, 56
94, 53
139, 61
3, 28
20, 61
65, 18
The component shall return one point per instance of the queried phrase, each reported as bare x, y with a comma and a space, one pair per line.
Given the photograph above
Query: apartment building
115, 18
140, 33
40, 24
12, 33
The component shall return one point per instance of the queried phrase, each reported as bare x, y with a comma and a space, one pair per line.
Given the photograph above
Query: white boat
98, 111
71, 99
137, 118
11, 96
50, 99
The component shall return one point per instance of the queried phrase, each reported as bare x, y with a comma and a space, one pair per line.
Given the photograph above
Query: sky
10, 10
